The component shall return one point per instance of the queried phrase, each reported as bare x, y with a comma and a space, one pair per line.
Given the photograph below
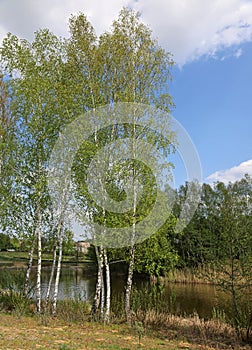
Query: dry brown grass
187, 275
213, 333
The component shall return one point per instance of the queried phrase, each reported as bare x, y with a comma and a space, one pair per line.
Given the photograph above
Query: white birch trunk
132, 248
129, 284
57, 278
60, 230
108, 287
51, 275
98, 287
102, 297
28, 270
39, 267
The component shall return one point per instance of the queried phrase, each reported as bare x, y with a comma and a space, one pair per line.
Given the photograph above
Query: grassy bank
29, 333
7, 257
74, 327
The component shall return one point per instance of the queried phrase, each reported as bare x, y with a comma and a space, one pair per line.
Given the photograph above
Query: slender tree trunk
99, 290
129, 284
234, 299
28, 270
39, 267
60, 230
98, 287
102, 296
99, 298
51, 275
249, 327
132, 248
108, 287
102, 262
57, 278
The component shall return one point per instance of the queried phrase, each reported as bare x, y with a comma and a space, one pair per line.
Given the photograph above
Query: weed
73, 310
113, 347
219, 314
14, 301
65, 347
138, 327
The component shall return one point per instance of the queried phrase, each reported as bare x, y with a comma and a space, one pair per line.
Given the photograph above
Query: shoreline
177, 276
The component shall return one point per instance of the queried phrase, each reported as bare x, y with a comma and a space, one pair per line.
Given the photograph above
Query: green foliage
5, 242
11, 291
7, 153
155, 256
12, 280
53, 80
219, 314
15, 302
135, 67
220, 235
123, 65
68, 243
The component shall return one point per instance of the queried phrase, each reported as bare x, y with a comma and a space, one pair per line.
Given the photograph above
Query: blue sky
213, 102
212, 44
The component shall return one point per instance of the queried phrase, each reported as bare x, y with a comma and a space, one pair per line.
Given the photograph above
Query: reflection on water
200, 298
74, 283
183, 298
79, 282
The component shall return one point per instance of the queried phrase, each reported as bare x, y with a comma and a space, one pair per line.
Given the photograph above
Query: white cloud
187, 28
192, 28
238, 53
24, 17
233, 174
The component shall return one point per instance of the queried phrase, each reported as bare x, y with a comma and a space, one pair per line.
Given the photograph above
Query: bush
73, 310
12, 301
11, 291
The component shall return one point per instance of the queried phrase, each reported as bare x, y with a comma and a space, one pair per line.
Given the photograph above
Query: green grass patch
23, 256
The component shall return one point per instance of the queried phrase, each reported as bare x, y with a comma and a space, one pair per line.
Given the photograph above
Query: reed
197, 275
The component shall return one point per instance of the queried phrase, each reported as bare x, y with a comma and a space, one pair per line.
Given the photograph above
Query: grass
29, 333
8, 257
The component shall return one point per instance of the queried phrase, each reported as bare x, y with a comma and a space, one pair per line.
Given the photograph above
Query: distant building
82, 247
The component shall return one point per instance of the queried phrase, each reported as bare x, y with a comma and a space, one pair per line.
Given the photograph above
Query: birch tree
85, 66
37, 84
136, 70
123, 65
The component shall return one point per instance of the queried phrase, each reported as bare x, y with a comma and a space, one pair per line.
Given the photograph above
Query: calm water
76, 281
79, 282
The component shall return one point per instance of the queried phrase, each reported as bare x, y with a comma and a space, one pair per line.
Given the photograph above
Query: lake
78, 281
